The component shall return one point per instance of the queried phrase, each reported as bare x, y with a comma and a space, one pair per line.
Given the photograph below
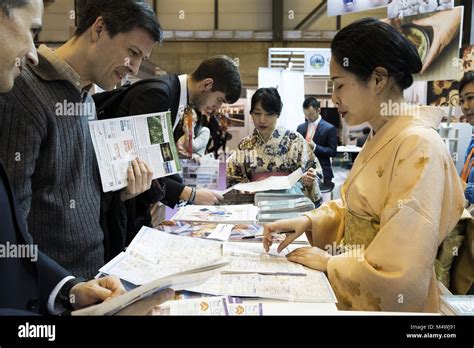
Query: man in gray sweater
44, 135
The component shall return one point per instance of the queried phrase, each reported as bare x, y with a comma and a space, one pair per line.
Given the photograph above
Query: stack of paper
457, 305
274, 210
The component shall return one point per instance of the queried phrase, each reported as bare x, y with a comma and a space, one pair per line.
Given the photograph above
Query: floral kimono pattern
284, 152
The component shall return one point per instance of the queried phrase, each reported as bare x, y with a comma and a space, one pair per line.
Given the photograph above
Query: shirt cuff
52, 308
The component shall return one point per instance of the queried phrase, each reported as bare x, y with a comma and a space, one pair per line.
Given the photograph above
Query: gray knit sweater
50, 160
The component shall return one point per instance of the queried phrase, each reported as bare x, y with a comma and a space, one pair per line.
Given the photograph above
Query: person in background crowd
322, 138
272, 150
200, 138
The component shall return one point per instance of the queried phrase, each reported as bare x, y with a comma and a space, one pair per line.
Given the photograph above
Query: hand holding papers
119, 141
191, 277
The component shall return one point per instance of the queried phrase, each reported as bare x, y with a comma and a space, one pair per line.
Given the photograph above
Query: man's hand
147, 305
96, 290
207, 197
140, 177
311, 257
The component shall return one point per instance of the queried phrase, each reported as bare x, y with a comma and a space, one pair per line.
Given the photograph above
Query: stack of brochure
269, 211
457, 305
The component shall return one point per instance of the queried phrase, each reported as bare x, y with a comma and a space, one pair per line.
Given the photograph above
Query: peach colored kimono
400, 200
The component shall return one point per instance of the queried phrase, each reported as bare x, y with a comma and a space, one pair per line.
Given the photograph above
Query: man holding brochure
38, 284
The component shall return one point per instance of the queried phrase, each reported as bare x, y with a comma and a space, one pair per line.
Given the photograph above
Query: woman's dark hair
225, 74
370, 43
120, 16
466, 79
7, 5
270, 100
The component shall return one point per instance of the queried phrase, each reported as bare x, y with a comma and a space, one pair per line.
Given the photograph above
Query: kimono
400, 200
284, 152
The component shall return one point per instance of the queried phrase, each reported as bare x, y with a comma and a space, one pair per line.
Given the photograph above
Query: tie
310, 133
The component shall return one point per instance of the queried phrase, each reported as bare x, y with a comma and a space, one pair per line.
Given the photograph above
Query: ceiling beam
311, 15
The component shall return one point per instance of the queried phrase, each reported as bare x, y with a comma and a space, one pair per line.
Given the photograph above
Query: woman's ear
380, 79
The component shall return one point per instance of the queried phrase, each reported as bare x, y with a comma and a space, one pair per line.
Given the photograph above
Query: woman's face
356, 102
264, 122
466, 100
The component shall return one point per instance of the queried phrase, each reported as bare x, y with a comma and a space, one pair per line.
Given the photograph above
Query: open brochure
119, 141
270, 183
179, 281
228, 214
251, 273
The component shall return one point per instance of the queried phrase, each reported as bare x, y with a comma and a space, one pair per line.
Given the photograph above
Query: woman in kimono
273, 150
378, 243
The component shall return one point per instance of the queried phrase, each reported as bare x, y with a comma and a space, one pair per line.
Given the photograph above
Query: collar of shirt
183, 98
52, 67
315, 123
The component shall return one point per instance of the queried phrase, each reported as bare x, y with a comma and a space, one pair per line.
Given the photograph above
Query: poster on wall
316, 62
405, 8
341, 7
437, 37
443, 93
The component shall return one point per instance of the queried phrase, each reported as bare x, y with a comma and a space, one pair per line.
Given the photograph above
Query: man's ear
206, 85
98, 28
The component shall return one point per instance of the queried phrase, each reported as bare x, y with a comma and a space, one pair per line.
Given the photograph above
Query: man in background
322, 138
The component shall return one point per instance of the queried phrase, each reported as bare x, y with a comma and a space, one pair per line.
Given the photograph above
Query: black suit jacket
325, 138
25, 285
144, 97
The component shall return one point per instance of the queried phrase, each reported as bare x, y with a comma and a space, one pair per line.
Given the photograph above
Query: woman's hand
311, 257
309, 177
300, 225
140, 176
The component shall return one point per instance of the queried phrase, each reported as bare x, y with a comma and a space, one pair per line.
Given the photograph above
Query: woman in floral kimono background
378, 243
272, 149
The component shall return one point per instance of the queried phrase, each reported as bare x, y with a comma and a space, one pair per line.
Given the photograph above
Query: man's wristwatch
193, 196
64, 296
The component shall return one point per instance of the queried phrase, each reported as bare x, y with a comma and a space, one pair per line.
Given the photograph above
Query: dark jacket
25, 285
325, 139
145, 97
